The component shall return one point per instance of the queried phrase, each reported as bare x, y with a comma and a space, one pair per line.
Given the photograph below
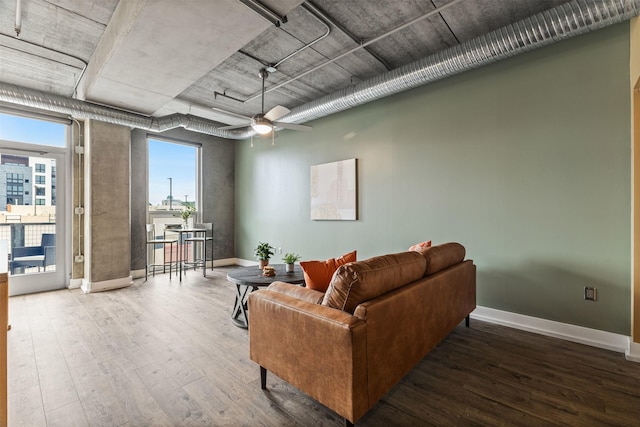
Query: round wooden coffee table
249, 279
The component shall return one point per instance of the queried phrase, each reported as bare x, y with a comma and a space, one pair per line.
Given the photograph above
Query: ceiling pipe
562, 22
542, 29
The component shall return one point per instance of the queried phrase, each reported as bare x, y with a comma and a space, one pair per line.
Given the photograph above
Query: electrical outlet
79, 258
590, 294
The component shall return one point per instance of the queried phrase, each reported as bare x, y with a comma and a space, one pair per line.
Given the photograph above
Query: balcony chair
201, 239
35, 256
156, 242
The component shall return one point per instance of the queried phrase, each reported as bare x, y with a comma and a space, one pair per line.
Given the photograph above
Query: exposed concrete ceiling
202, 57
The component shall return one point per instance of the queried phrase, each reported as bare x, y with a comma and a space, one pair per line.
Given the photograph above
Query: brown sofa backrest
361, 281
442, 256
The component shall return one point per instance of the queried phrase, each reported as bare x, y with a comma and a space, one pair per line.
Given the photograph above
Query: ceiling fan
264, 123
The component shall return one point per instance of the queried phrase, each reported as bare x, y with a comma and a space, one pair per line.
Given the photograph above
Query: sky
170, 160
166, 160
22, 129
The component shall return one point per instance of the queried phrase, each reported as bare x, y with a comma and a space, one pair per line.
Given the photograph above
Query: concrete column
107, 229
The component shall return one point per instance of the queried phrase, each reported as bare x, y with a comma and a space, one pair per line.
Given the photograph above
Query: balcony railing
25, 234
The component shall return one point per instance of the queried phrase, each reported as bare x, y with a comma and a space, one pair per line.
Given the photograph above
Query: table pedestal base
249, 279
239, 314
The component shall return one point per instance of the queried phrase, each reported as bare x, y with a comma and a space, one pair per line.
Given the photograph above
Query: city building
26, 181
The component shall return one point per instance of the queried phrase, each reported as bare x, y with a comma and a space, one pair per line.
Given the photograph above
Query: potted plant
289, 258
186, 214
263, 253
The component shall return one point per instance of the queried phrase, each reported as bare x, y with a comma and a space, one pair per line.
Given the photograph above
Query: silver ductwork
565, 21
81, 109
568, 20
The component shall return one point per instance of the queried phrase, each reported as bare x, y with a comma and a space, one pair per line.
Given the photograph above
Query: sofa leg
347, 423
263, 378
466, 321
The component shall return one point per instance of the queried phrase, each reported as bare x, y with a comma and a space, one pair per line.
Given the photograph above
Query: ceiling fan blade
292, 126
234, 126
276, 112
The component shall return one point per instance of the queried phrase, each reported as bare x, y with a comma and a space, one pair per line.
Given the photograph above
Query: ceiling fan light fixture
261, 125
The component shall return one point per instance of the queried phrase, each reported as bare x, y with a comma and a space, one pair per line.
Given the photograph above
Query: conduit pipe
83, 68
311, 7
308, 45
361, 46
265, 12
562, 22
18, 26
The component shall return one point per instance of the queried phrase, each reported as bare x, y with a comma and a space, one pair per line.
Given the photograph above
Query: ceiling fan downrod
263, 73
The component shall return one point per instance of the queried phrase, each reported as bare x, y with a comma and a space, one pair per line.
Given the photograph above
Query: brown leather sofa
348, 347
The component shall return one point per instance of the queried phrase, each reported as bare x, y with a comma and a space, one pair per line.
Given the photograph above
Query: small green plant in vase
186, 213
263, 252
289, 259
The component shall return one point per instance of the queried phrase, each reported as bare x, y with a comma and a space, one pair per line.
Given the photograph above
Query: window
41, 168
41, 179
15, 186
41, 191
173, 175
15, 190
40, 202
15, 178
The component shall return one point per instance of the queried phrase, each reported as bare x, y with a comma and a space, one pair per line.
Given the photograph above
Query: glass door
33, 184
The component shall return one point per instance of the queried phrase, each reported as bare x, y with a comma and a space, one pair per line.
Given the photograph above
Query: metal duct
568, 20
80, 109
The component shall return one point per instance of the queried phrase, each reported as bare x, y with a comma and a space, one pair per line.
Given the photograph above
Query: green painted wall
525, 162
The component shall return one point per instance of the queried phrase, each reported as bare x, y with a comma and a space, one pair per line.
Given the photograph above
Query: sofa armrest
297, 291
318, 349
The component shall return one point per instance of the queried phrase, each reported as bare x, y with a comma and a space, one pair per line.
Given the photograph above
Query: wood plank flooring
165, 353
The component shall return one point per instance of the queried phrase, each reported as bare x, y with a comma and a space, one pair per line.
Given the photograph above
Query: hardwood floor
161, 353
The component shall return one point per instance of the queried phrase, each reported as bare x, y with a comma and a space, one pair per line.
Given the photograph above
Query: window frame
197, 175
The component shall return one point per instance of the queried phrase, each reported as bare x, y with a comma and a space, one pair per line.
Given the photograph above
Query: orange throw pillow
318, 274
344, 259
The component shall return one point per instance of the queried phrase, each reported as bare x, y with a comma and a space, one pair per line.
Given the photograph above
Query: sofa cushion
361, 281
318, 274
442, 256
297, 291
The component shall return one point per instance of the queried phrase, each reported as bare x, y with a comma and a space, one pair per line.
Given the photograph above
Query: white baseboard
245, 262
223, 262
579, 334
632, 352
75, 283
137, 274
106, 285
